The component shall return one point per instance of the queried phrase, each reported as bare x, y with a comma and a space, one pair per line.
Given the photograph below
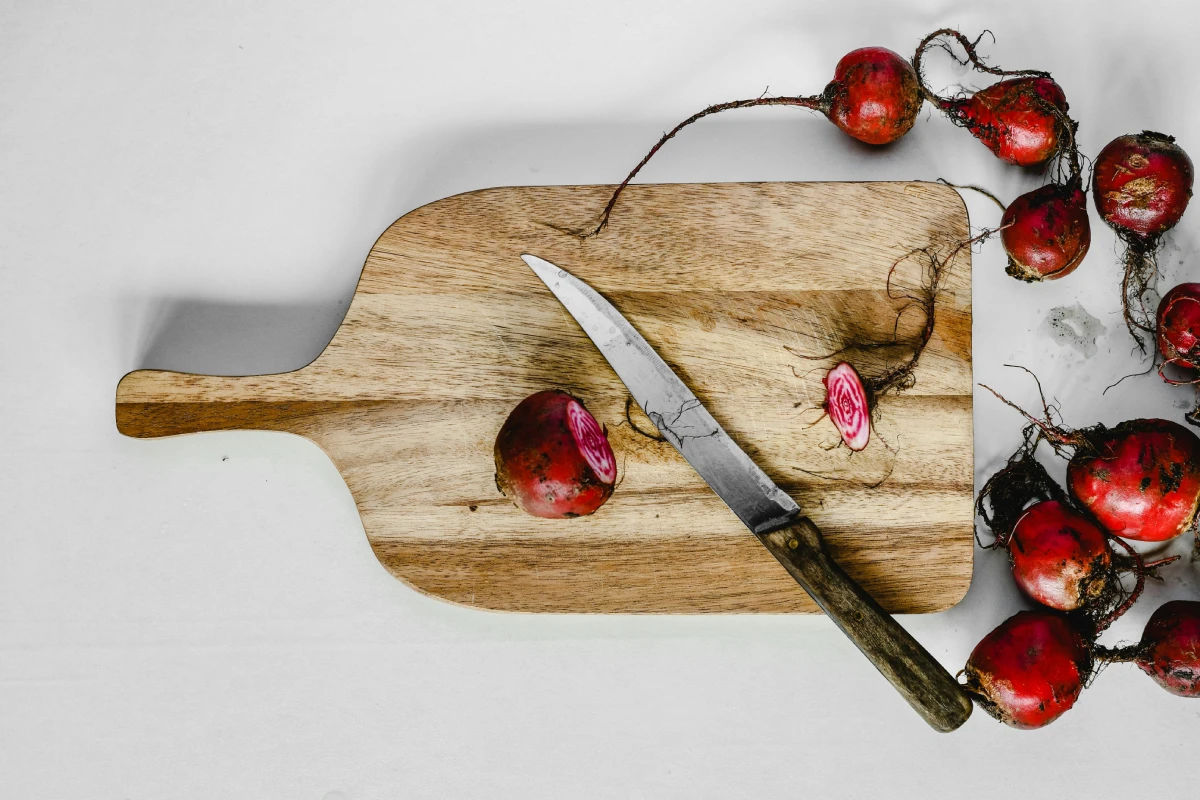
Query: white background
195, 186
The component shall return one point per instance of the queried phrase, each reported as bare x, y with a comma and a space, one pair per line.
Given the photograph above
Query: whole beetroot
874, 95
1015, 118
1030, 670
1170, 648
1139, 479
1141, 184
1046, 232
1022, 119
1059, 557
1178, 326
552, 457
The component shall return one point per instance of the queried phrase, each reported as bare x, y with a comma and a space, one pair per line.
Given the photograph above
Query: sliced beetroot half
847, 405
552, 457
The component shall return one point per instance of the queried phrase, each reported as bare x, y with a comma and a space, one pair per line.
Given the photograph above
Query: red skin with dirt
1059, 557
1030, 670
1142, 183
1140, 480
1178, 328
1013, 118
874, 95
1170, 647
552, 457
1046, 232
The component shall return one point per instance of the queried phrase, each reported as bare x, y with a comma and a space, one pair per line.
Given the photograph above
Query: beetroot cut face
847, 405
592, 443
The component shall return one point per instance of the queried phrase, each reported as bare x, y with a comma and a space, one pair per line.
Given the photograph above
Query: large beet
1140, 479
1030, 670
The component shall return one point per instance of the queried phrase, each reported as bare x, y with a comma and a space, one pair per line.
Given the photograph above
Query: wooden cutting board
745, 289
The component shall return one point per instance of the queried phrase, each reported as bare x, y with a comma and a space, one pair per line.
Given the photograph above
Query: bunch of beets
1137, 481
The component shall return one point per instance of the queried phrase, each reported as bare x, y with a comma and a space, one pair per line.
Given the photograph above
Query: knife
770, 513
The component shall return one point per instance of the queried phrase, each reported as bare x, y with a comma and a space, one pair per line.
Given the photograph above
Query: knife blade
769, 512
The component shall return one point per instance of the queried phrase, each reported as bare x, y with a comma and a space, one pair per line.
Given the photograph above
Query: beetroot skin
1178, 325
1014, 118
874, 95
1046, 232
1059, 557
1142, 183
552, 457
1030, 670
1170, 648
1140, 480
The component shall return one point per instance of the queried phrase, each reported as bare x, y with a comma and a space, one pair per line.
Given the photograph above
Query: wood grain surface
745, 289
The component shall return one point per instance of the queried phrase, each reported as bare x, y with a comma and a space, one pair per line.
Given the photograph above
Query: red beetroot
847, 406
874, 97
552, 457
1140, 480
1142, 184
1016, 118
1178, 328
1046, 232
1059, 557
1022, 119
1030, 670
1170, 648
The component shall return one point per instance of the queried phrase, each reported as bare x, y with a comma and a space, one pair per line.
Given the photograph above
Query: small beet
1030, 670
1046, 232
847, 406
1017, 119
1140, 479
552, 457
1170, 648
1178, 328
1142, 183
1060, 558
874, 95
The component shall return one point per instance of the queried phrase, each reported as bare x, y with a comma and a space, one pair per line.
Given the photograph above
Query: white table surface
195, 185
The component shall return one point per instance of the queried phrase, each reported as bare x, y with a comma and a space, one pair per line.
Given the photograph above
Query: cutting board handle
152, 403
927, 686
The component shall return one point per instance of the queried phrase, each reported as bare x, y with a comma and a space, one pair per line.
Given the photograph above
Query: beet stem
972, 58
815, 103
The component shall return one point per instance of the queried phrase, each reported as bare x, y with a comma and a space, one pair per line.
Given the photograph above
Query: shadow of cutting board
745, 289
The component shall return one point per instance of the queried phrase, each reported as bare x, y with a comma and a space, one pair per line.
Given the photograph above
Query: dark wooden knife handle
927, 686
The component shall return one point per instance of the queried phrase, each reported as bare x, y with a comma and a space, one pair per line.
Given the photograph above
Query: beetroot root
1141, 184
1139, 479
874, 97
1060, 558
1030, 670
1170, 648
552, 457
1046, 232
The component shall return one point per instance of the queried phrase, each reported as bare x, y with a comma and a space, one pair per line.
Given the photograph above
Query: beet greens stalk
874, 97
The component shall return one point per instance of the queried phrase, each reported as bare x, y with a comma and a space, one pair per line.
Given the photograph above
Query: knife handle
927, 686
